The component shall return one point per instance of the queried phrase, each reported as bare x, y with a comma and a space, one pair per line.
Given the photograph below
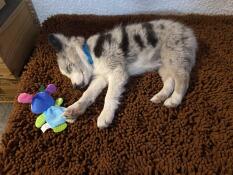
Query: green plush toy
52, 118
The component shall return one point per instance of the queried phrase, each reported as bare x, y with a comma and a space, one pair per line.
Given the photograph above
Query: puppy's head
70, 58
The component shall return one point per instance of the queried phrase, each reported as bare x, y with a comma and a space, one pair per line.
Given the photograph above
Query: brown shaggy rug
195, 138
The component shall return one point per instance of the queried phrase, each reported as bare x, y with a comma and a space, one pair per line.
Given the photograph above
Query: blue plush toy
51, 113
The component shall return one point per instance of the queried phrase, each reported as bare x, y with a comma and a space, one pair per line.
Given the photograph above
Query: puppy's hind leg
181, 86
168, 86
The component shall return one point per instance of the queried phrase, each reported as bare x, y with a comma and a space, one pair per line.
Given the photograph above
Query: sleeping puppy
109, 58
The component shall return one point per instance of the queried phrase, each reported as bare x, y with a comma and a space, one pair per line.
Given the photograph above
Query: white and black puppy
109, 58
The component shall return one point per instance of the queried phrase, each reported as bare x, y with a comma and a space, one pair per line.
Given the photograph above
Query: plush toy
51, 112
52, 118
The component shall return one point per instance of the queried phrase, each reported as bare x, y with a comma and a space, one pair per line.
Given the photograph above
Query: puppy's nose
75, 86
78, 86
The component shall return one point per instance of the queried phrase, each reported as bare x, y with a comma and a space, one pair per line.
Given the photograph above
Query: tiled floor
5, 110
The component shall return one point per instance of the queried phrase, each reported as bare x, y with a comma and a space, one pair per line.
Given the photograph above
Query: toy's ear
51, 88
25, 98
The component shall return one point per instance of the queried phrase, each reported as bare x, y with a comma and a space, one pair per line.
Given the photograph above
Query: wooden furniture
19, 27
2, 3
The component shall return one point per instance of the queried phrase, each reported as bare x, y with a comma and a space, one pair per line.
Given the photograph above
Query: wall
46, 8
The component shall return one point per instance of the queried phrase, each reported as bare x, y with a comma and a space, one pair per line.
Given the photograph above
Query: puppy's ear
55, 41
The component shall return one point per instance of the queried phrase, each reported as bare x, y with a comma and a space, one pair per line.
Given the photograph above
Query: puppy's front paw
70, 114
158, 98
73, 111
104, 121
70, 119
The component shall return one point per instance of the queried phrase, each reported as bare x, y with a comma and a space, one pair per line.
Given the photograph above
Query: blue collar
87, 53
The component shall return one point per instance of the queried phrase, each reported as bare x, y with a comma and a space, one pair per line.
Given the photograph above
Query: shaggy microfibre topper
194, 138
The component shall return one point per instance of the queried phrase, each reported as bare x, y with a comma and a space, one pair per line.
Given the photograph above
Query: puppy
109, 58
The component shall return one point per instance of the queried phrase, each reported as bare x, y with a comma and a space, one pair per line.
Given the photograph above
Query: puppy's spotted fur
162, 45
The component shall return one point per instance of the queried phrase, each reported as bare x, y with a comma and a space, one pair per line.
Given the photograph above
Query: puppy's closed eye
69, 68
